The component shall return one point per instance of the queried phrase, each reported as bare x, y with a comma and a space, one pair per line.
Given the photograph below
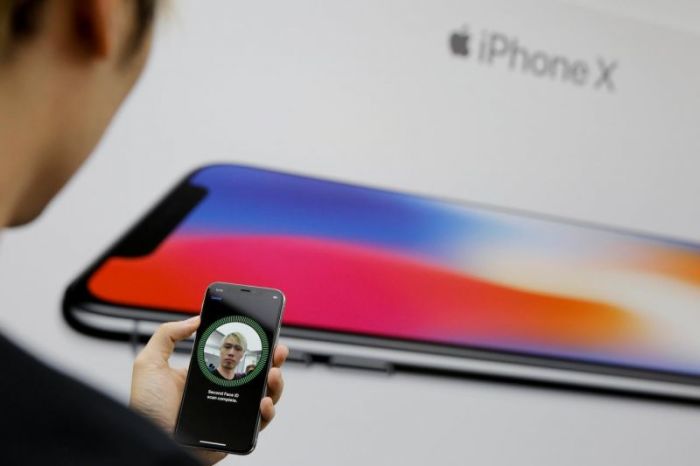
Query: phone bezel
79, 304
270, 363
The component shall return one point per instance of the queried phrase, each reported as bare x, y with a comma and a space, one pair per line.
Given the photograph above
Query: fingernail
192, 319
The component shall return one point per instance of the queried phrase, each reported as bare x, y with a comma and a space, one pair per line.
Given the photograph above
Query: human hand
156, 388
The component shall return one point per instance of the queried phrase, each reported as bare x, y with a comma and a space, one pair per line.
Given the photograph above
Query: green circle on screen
265, 351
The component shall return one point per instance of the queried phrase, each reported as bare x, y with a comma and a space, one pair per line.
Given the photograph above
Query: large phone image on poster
393, 270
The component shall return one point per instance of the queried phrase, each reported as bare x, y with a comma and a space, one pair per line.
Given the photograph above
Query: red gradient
345, 287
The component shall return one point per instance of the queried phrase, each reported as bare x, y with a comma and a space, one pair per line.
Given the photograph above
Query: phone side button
299, 356
361, 363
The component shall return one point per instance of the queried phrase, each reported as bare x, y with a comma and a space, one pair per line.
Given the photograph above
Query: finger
162, 343
267, 412
209, 456
275, 384
280, 355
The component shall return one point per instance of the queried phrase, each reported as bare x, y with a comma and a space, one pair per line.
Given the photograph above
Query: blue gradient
252, 201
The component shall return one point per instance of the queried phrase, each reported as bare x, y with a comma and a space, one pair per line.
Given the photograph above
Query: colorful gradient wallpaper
359, 260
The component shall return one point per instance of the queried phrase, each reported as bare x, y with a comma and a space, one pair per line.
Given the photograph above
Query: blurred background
370, 93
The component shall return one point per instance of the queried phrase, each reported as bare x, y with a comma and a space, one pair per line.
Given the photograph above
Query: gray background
183, 114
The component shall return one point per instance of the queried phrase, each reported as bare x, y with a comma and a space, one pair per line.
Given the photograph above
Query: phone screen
360, 261
228, 370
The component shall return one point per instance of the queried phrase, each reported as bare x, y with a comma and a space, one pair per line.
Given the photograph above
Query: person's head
65, 67
232, 349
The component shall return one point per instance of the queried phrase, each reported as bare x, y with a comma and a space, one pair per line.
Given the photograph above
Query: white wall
682, 15
367, 91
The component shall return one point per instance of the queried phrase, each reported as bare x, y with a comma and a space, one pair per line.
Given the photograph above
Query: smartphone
227, 376
391, 280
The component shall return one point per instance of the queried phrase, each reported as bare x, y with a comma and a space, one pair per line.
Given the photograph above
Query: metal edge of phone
275, 340
137, 325
99, 319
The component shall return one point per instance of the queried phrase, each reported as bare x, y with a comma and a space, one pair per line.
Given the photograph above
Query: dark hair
145, 11
19, 20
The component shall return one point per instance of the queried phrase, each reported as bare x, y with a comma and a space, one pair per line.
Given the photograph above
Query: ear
98, 25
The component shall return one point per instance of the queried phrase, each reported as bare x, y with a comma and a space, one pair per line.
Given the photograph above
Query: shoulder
72, 423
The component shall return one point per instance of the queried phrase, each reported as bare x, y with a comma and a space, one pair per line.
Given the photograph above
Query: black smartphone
391, 280
227, 377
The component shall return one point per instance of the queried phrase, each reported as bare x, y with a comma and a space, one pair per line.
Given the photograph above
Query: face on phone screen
228, 371
403, 268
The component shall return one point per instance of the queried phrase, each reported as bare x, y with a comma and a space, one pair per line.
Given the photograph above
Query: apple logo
459, 42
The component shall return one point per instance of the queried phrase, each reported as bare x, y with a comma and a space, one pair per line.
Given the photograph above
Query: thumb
162, 343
